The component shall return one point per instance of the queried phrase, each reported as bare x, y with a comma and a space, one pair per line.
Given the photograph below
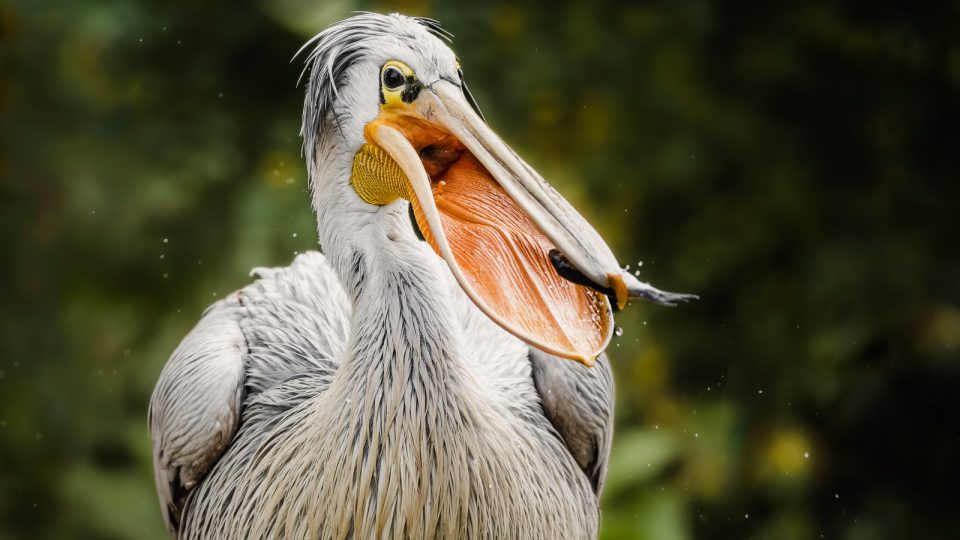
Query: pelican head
389, 126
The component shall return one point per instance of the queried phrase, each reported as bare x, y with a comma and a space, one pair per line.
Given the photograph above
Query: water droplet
746, 516
759, 392
294, 235
618, 331
165, 275
166, 240
806, 455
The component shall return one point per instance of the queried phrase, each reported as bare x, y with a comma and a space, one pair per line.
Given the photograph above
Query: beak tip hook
620, 290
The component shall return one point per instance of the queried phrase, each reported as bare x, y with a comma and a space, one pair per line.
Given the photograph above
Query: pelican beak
518, 249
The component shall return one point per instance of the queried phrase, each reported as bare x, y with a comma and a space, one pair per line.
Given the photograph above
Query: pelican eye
398, 84
392, 78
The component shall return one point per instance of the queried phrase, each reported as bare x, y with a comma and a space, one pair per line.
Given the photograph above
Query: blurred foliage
794, 163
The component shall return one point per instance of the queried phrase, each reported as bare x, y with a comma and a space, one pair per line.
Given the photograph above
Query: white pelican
393, 387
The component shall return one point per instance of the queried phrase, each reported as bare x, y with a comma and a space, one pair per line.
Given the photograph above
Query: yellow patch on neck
377, 178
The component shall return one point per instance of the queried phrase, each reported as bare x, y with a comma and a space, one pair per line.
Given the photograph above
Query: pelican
413, 379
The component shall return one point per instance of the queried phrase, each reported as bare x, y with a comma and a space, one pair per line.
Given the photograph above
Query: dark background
794, 163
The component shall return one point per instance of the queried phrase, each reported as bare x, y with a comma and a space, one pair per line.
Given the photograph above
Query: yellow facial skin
392, 97
375, 176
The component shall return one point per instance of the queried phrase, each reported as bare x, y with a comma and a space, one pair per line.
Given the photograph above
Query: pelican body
395, 386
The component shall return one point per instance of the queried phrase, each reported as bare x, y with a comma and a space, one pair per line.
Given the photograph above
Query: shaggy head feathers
366, 38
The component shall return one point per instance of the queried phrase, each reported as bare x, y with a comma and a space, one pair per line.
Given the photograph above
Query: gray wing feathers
196, 405
253, 355
296, 321
578, 401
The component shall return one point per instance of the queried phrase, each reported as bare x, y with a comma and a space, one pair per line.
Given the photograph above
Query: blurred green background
795, 163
